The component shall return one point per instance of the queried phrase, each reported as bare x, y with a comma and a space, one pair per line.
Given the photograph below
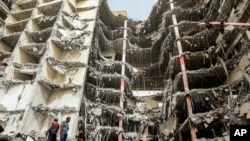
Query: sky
136, 9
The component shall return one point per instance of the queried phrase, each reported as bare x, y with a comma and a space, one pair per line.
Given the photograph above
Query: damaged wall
212, 58
64, 58
47, 57
217, 63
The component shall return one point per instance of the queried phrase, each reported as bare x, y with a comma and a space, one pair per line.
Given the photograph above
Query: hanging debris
74, 58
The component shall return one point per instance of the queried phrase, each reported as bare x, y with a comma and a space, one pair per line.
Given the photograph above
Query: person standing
64, 129
81, 136
1, 129
52, 131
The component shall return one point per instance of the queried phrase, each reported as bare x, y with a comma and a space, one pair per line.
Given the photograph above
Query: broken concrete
64, 58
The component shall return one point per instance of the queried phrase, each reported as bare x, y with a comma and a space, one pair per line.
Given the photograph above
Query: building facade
185, 75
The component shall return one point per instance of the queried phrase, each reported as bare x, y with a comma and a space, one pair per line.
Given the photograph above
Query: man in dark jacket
81, 136
1, 129
52, 131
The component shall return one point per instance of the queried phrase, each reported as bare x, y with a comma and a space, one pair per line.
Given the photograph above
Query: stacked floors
46, 45
66, 58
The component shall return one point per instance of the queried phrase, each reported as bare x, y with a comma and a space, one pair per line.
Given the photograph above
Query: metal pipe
183, 70
217, 24
170, 99
164, 108
120, 128
190, 113
142, 128
122, 80
145, 133
170, 93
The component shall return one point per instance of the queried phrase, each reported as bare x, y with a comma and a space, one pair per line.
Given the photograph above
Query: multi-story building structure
169, 78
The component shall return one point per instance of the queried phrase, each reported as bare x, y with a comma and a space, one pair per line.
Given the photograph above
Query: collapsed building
166, 78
